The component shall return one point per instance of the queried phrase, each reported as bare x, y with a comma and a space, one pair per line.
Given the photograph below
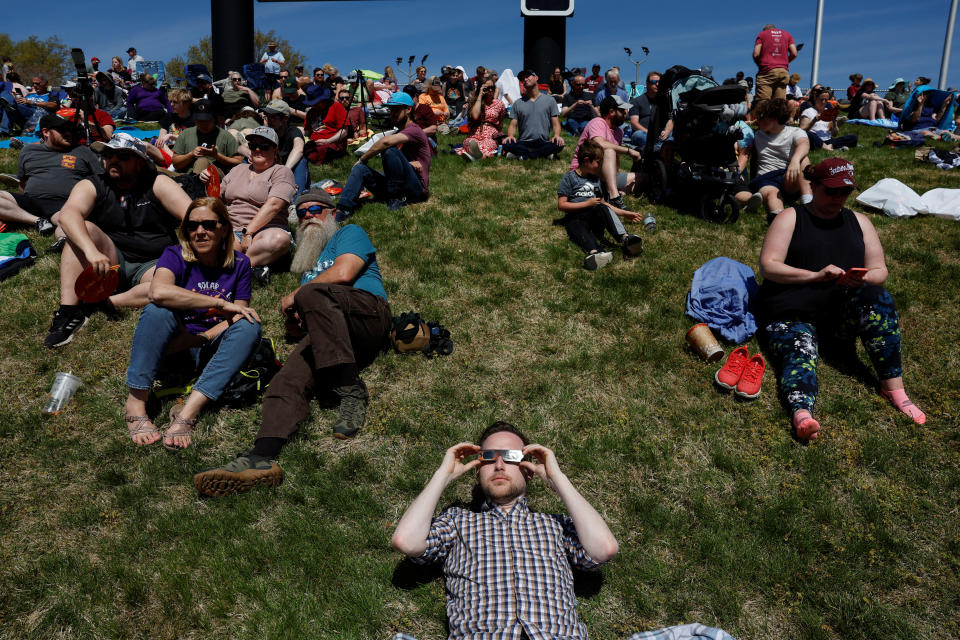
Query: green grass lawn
721, 516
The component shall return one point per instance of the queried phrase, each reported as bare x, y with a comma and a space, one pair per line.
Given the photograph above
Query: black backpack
248, 384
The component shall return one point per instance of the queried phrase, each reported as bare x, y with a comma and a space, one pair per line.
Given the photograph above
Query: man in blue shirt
610, 88
341, 315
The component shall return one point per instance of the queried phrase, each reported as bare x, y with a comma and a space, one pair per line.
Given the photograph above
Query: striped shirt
508, 573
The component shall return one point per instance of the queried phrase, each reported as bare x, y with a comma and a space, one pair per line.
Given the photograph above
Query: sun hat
122, 141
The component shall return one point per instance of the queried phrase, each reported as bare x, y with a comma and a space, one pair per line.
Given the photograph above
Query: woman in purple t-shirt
200, 297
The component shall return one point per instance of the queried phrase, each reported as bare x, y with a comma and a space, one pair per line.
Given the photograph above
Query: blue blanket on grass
720, 296
141, 134
886, 123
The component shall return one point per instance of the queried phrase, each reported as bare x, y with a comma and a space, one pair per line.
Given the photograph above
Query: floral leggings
867, 312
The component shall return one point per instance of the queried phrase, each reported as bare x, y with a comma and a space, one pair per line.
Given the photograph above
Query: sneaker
617, 202
9, 180
750, 381
44, 226
508, 154
261, 275
599, 260
632, 246
729, 374
353, 411
57, 247
473, 151
395, 204
238, 476
754, 204
16, 143
65, 325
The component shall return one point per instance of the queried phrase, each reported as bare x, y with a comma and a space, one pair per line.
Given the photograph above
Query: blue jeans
8, 120
219, 359
301, 175
398, 180
575, 127
525, 149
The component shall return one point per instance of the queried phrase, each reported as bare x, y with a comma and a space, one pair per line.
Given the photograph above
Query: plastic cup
701, 340
64, 386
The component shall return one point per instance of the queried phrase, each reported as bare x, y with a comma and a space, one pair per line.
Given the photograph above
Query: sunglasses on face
344, 98
507, 455
314, 210
208, 225
260, 146
838, 191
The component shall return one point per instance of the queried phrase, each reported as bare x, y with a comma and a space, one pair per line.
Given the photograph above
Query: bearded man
341, 315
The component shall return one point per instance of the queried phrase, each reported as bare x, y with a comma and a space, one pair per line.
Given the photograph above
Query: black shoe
240, 475
44, 226
57, 247
353, 411
395, 204
261, 275
617, 202
65, 325
632, 246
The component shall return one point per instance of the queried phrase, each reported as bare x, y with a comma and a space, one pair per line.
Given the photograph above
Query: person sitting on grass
199, 304
824, 134
341, 315
145, 102
823, 272
486, 115
179, 120
406, 164
868, 105
326, 125
257, 196
47, 171
124, 217
587, 213
535, 118
606, 131
924, 116
508, 568
781, 154
205, 144
577, 106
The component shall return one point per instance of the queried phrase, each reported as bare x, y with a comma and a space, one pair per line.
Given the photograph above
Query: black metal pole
231, 33
544, 44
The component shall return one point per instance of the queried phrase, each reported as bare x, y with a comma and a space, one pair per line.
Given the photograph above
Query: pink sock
805, 426
899, 399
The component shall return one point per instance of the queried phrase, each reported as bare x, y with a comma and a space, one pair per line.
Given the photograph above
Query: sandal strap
140, 426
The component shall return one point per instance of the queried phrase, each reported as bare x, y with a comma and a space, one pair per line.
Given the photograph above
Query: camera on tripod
84, 88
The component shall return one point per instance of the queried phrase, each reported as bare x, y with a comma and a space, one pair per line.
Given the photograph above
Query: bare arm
511, 131
73, 217
792, 52
382, 145
757, 48
410, 536
165, 293
606, 144
873, 258
268, 211
564, 204
296, 154
174, 199
345, 270
557, 131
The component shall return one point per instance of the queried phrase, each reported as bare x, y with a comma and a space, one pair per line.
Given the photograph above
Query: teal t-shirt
351, 239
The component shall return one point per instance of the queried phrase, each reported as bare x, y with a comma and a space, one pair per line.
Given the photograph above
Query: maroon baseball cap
835, 172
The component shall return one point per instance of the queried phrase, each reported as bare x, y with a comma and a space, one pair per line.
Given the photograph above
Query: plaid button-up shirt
508, 573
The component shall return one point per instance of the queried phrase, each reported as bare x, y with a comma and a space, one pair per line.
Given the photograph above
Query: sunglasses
259, 146
507, 455
314, 210
838, 191
208, 225
344, 98
653, 82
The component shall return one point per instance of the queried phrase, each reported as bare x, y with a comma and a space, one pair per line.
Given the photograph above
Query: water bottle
650, 223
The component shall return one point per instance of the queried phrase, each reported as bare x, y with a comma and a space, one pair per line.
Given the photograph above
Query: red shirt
333, 121
774, 49
99, 117
593, 82
852, 90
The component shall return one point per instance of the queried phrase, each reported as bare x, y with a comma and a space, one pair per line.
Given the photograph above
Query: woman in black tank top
823, 270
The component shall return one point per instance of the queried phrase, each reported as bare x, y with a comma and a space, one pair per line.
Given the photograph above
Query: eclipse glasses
508, 455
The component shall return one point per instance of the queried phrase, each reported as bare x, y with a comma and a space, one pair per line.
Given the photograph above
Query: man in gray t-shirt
537, 117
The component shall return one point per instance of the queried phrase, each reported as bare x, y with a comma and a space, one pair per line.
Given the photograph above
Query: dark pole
544, 44
231, 33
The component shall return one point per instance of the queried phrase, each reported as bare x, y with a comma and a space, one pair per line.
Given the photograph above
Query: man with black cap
206, 91
205, 144
341, 312
127, 216
406, 163
536, 116
606, 131
47, 171
132, 62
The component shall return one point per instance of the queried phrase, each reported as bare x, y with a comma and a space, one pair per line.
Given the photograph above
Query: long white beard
312, 236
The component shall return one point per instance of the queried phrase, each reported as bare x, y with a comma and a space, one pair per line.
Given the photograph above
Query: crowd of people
193, 219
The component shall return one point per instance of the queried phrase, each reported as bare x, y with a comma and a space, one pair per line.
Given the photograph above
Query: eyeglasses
344, 98
259, 146
507, 455
314, 210
653, 81
838, 191
208, 225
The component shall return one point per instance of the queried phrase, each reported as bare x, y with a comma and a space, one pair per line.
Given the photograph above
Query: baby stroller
699, 170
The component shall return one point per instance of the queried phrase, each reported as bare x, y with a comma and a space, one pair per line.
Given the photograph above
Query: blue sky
880, 39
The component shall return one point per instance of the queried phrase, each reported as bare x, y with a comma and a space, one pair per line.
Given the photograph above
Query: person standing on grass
507, 568
823, 273
341, 315
773, 52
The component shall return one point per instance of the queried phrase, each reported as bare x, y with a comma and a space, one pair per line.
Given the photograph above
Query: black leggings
586, 226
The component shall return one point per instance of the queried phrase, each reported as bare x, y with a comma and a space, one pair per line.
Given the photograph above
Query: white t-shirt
132, 65
819, 128
774, 152
272, 62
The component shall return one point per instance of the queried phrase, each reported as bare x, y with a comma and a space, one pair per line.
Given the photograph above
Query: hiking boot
598, 260
395, 204
353, 411
261, 275
750, 381
632, 245
617, 202
44, 226
238, 476
729, 374
754, 204
65, 324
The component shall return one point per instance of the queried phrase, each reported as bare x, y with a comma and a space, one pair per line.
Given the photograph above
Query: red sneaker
729, 374
752, 378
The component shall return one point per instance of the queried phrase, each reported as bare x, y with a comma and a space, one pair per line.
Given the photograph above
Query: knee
274, 241
156, 316
312, 295
244, 330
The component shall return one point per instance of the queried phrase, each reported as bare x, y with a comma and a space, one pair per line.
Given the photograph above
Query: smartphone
18, 92
855, 272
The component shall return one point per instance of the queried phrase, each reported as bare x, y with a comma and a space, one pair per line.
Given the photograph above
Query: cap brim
838, 182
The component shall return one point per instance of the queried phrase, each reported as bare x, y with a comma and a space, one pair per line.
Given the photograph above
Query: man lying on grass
507, 568
341, 313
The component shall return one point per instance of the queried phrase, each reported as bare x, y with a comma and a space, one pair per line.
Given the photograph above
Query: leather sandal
138, 425
186, 427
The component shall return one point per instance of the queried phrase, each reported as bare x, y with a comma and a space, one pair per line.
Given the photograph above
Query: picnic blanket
897, 200
684, 632
141, 134
886, 123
